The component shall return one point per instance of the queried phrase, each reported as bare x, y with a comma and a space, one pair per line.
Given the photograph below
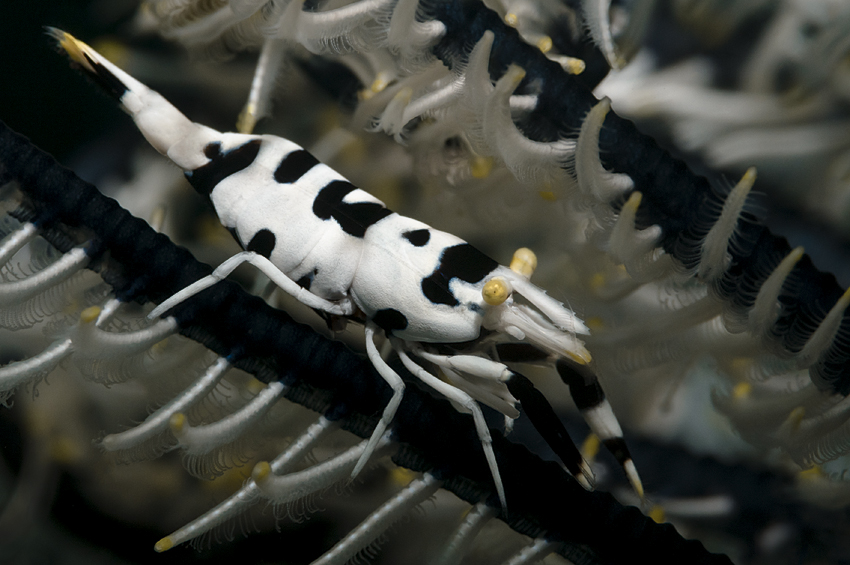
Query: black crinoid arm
144, 266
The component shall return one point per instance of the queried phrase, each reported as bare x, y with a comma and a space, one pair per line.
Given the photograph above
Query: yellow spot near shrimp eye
548, 195
595, 323
544, 44
511, 19
742, 391
480, 167
590, 447
177, 422
261, 471
656, 514
89, 315
524, 262
496, 291
164, 544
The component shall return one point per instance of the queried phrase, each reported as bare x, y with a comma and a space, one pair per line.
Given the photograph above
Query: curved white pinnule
249, 494
158, 421
199, 440
379, 521
280, 489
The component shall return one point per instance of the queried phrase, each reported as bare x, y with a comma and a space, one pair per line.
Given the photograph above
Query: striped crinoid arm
428, 435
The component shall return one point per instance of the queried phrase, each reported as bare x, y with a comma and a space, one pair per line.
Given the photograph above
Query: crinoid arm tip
261, 471
163, 545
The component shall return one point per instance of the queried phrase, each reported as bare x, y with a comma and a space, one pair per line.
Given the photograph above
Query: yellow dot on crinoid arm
742, 391
656, 513
89, 315
177, 422
163, 545
496, 291
261, 471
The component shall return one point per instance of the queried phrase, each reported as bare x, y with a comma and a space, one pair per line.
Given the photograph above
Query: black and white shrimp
340, 251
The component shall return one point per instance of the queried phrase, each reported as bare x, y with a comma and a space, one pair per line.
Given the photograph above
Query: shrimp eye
524, 262
496, 291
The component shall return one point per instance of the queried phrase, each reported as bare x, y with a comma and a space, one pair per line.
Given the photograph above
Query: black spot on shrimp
390, 319
294, 166
462, 262
262, 243
307, 280
222, 164
419, 238
354, 218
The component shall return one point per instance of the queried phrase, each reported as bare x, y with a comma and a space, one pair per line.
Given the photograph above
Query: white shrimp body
340, 250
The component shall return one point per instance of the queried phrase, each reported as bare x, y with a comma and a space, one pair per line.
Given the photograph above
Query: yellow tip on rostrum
89, 315
524, 262
261, 471
496, 291
164, 544
71, 45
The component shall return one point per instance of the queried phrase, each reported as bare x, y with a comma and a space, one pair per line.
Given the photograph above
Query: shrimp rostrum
340, 251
